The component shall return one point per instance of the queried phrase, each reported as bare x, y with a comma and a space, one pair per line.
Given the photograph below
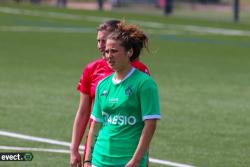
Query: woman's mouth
111, 63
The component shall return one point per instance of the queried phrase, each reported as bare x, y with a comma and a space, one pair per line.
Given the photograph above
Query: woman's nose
109, 54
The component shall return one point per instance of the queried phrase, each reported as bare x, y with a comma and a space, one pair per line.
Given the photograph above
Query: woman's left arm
143, 145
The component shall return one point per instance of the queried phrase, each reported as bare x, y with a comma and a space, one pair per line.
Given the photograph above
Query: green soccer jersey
122, 109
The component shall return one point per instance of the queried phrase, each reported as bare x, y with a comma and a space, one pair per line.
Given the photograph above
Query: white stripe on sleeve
151, 117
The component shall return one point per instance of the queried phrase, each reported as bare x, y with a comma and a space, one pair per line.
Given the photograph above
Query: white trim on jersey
95, 119
151, 117
115, 81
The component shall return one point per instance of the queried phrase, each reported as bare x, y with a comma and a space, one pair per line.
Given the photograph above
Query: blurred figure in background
18, 1
62, 3
35, 2
100, 4
168, 7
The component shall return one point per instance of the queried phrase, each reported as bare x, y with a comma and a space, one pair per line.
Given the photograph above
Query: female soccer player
126, 106
92, 74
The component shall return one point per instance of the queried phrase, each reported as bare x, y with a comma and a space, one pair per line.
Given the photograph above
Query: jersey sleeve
84, 83
149, 100
97, 111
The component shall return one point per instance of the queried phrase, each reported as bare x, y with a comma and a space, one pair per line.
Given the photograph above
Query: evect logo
119, 119
16, 156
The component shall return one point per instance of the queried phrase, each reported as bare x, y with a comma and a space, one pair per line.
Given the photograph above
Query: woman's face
101, 41
116, 56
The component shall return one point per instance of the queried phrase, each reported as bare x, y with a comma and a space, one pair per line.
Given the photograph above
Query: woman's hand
87, 164
75, 159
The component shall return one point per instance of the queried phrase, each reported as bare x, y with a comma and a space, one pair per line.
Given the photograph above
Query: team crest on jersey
128, 91
104, 93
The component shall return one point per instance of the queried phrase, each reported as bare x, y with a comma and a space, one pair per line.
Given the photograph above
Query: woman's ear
130, 53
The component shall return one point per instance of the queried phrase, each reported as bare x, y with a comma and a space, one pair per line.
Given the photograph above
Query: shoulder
105, 81
141, 75
95, 63
140, 66
92, 67
144, 79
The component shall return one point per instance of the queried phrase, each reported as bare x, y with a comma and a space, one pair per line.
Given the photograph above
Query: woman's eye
110, 51
113, 51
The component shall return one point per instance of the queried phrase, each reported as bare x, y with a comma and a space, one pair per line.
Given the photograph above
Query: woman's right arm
79, 127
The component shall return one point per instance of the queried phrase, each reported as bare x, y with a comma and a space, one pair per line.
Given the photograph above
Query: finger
73, 164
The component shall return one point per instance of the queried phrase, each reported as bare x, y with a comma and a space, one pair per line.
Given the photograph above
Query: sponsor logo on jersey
113, 100
128, 91
118, 119
104, 93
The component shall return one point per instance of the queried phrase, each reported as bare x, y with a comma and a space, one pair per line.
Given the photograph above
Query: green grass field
203, 79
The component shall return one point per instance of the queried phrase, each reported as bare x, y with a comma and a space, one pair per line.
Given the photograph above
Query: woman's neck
121, 74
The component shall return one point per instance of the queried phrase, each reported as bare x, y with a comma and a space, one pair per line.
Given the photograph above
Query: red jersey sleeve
84, 84
140, 66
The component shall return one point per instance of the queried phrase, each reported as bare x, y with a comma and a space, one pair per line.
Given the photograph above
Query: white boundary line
62, 143
46, 29
36, 149
37, 139
148, 24
26, 12
163, 162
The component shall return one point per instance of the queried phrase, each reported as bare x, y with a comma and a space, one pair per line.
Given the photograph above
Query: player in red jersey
92, 74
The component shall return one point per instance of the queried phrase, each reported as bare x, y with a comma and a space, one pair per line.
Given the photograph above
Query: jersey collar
128, 75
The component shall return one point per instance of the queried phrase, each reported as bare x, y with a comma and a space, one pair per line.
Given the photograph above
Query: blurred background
199, 58
204, 9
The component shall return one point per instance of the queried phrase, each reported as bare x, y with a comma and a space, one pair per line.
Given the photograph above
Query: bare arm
79, 127
93, 132
143, 145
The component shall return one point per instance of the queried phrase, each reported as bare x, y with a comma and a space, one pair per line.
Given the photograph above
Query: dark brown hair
109, 25
131, 37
